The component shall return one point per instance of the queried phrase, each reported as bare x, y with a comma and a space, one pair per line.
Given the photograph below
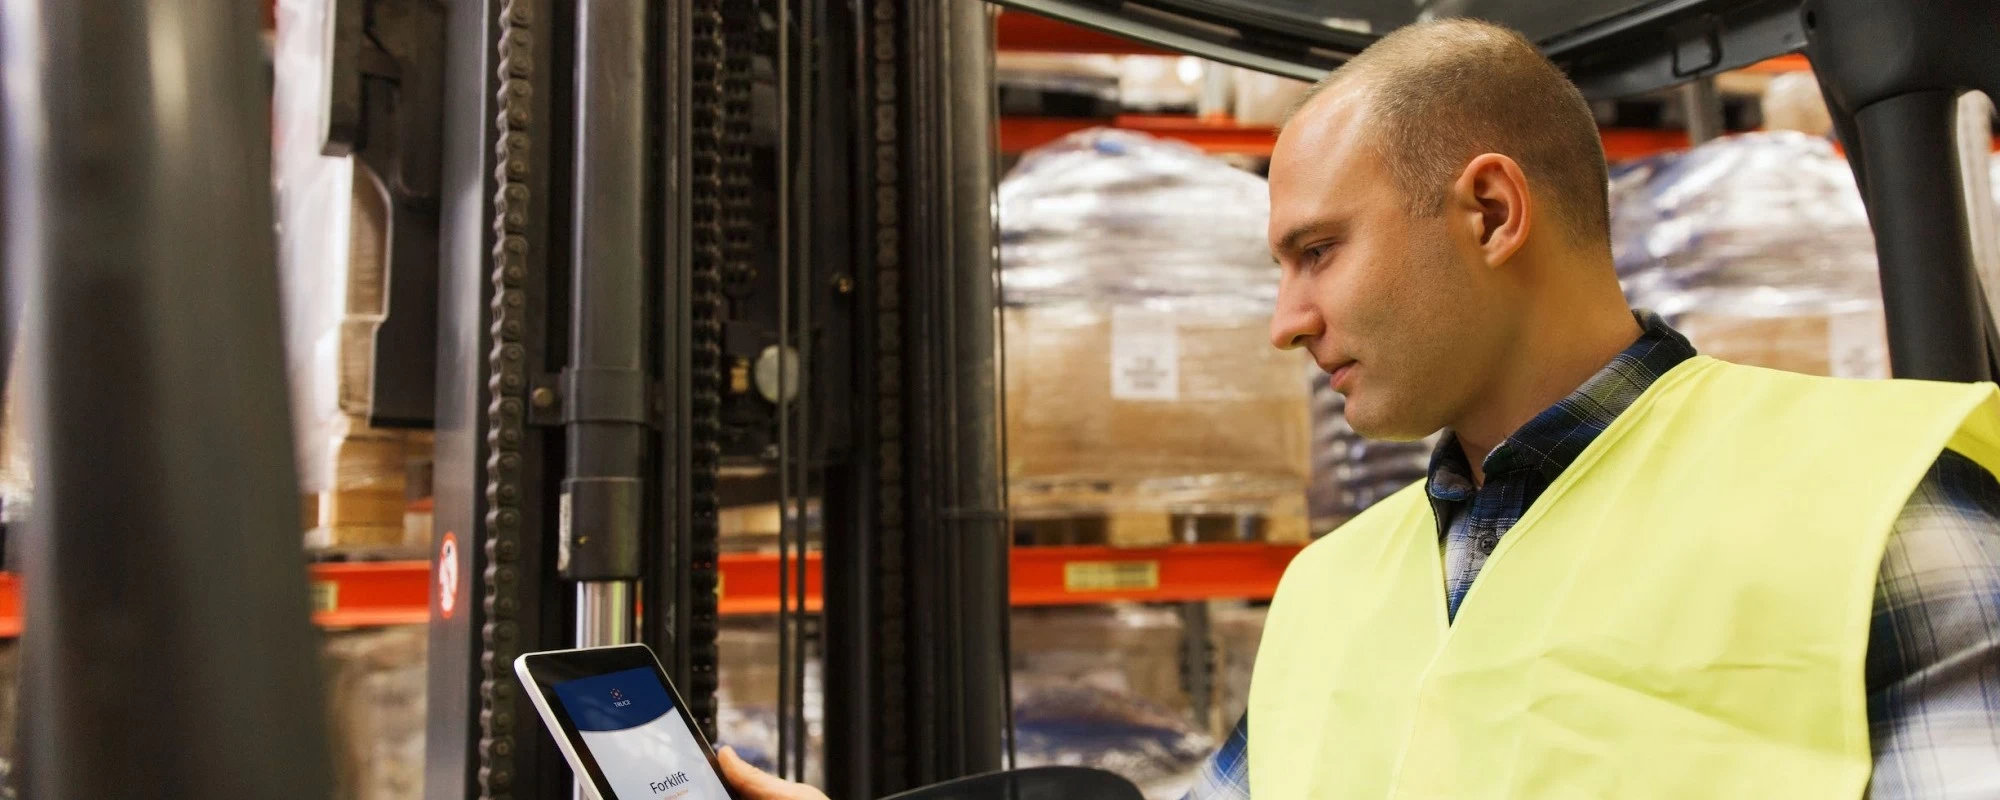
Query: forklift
651, 259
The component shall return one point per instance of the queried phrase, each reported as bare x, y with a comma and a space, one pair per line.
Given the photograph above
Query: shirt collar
1547, 444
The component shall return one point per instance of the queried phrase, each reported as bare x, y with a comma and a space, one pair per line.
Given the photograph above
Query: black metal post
1703, 106
668, 600
1892, 73
958, 547
496, 589
976, 517
604, 403
1922, 236
168, 648
842, 195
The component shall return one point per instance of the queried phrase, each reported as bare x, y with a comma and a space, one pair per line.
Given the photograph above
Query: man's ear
1492, 196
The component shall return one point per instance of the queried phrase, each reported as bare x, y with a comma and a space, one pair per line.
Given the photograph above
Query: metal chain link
507, 386
740, 38
709, 149
884, 74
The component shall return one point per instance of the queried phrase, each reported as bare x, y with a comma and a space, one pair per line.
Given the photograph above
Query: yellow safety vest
1684, 613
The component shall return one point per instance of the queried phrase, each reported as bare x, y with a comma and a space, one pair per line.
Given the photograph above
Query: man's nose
1294, 322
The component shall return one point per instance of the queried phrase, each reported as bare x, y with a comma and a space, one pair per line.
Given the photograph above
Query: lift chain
883, 76
507, 385
740, 38
709, 148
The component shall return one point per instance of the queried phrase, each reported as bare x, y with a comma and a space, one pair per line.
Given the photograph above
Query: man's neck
1552, 361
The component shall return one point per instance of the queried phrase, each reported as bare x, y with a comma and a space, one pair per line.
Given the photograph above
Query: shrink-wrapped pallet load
1140, 382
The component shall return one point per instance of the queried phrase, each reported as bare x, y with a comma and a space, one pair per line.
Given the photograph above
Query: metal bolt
543, 397
843, 284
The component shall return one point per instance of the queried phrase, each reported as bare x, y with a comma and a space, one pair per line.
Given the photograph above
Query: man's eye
1311, 256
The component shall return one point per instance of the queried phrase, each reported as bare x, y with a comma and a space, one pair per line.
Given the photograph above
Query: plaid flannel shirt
1933, 675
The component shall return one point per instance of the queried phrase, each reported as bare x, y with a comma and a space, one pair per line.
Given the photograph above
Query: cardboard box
1842, 345
1152, 409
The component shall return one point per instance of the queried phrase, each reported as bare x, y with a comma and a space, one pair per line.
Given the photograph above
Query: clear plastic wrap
333, 232
1101, 686
1262, 98
376, 684
1106, 216
1756, 246
1238, 628
1138, 290
1792, 102
747, 696
17, 449
1158, 83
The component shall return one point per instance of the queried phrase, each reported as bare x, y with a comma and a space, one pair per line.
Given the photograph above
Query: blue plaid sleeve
1934, 646
1226, 776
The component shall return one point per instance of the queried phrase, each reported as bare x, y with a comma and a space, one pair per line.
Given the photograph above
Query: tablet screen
645, 750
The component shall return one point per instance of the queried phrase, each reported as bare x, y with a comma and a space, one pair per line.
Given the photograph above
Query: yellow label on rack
325, 597
1111, 576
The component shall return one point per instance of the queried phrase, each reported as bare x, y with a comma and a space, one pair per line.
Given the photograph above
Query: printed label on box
1111, 576
1145, 355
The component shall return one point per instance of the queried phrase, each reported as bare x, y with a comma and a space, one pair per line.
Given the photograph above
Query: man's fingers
756, 783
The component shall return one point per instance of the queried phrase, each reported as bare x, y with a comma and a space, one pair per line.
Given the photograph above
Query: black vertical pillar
168, 649
451, 705
916, 551
968, 517
1891, 74
847, 228
502, 298
1922, 237
604, 387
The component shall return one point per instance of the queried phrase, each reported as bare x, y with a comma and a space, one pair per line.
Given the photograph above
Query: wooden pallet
1077, 520
376, 474
1156, 513
1157, 527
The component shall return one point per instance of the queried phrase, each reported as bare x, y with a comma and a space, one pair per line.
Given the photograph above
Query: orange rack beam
1789, 62
1020, 134
1052, 576
362, 594
1020, 32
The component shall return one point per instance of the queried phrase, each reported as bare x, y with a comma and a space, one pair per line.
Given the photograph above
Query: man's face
1400, 310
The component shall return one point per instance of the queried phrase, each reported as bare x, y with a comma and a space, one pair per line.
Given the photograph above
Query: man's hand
755, 784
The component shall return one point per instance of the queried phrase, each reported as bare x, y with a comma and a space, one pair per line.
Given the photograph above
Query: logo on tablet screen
618, 699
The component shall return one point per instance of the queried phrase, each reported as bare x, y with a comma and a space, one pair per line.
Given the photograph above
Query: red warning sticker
447, 575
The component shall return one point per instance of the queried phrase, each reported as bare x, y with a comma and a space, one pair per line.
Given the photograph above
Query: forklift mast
645, 205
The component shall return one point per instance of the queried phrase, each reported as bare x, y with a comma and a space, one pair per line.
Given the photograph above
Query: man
1699, 580
1695, 579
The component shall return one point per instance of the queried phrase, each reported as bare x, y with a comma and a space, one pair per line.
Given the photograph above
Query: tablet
621, 724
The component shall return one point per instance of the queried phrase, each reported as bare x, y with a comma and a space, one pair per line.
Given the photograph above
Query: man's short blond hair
1437, 94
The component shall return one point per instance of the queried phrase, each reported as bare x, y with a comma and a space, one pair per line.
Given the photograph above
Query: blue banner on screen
628, 723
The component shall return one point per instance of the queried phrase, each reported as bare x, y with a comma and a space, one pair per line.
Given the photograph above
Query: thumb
754, 783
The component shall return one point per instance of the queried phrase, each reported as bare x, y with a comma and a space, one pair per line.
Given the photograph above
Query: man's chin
1383, 427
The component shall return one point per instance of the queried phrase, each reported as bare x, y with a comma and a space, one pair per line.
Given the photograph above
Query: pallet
376, 474
1156, 528
1089, 520
755, 528
1156, 513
